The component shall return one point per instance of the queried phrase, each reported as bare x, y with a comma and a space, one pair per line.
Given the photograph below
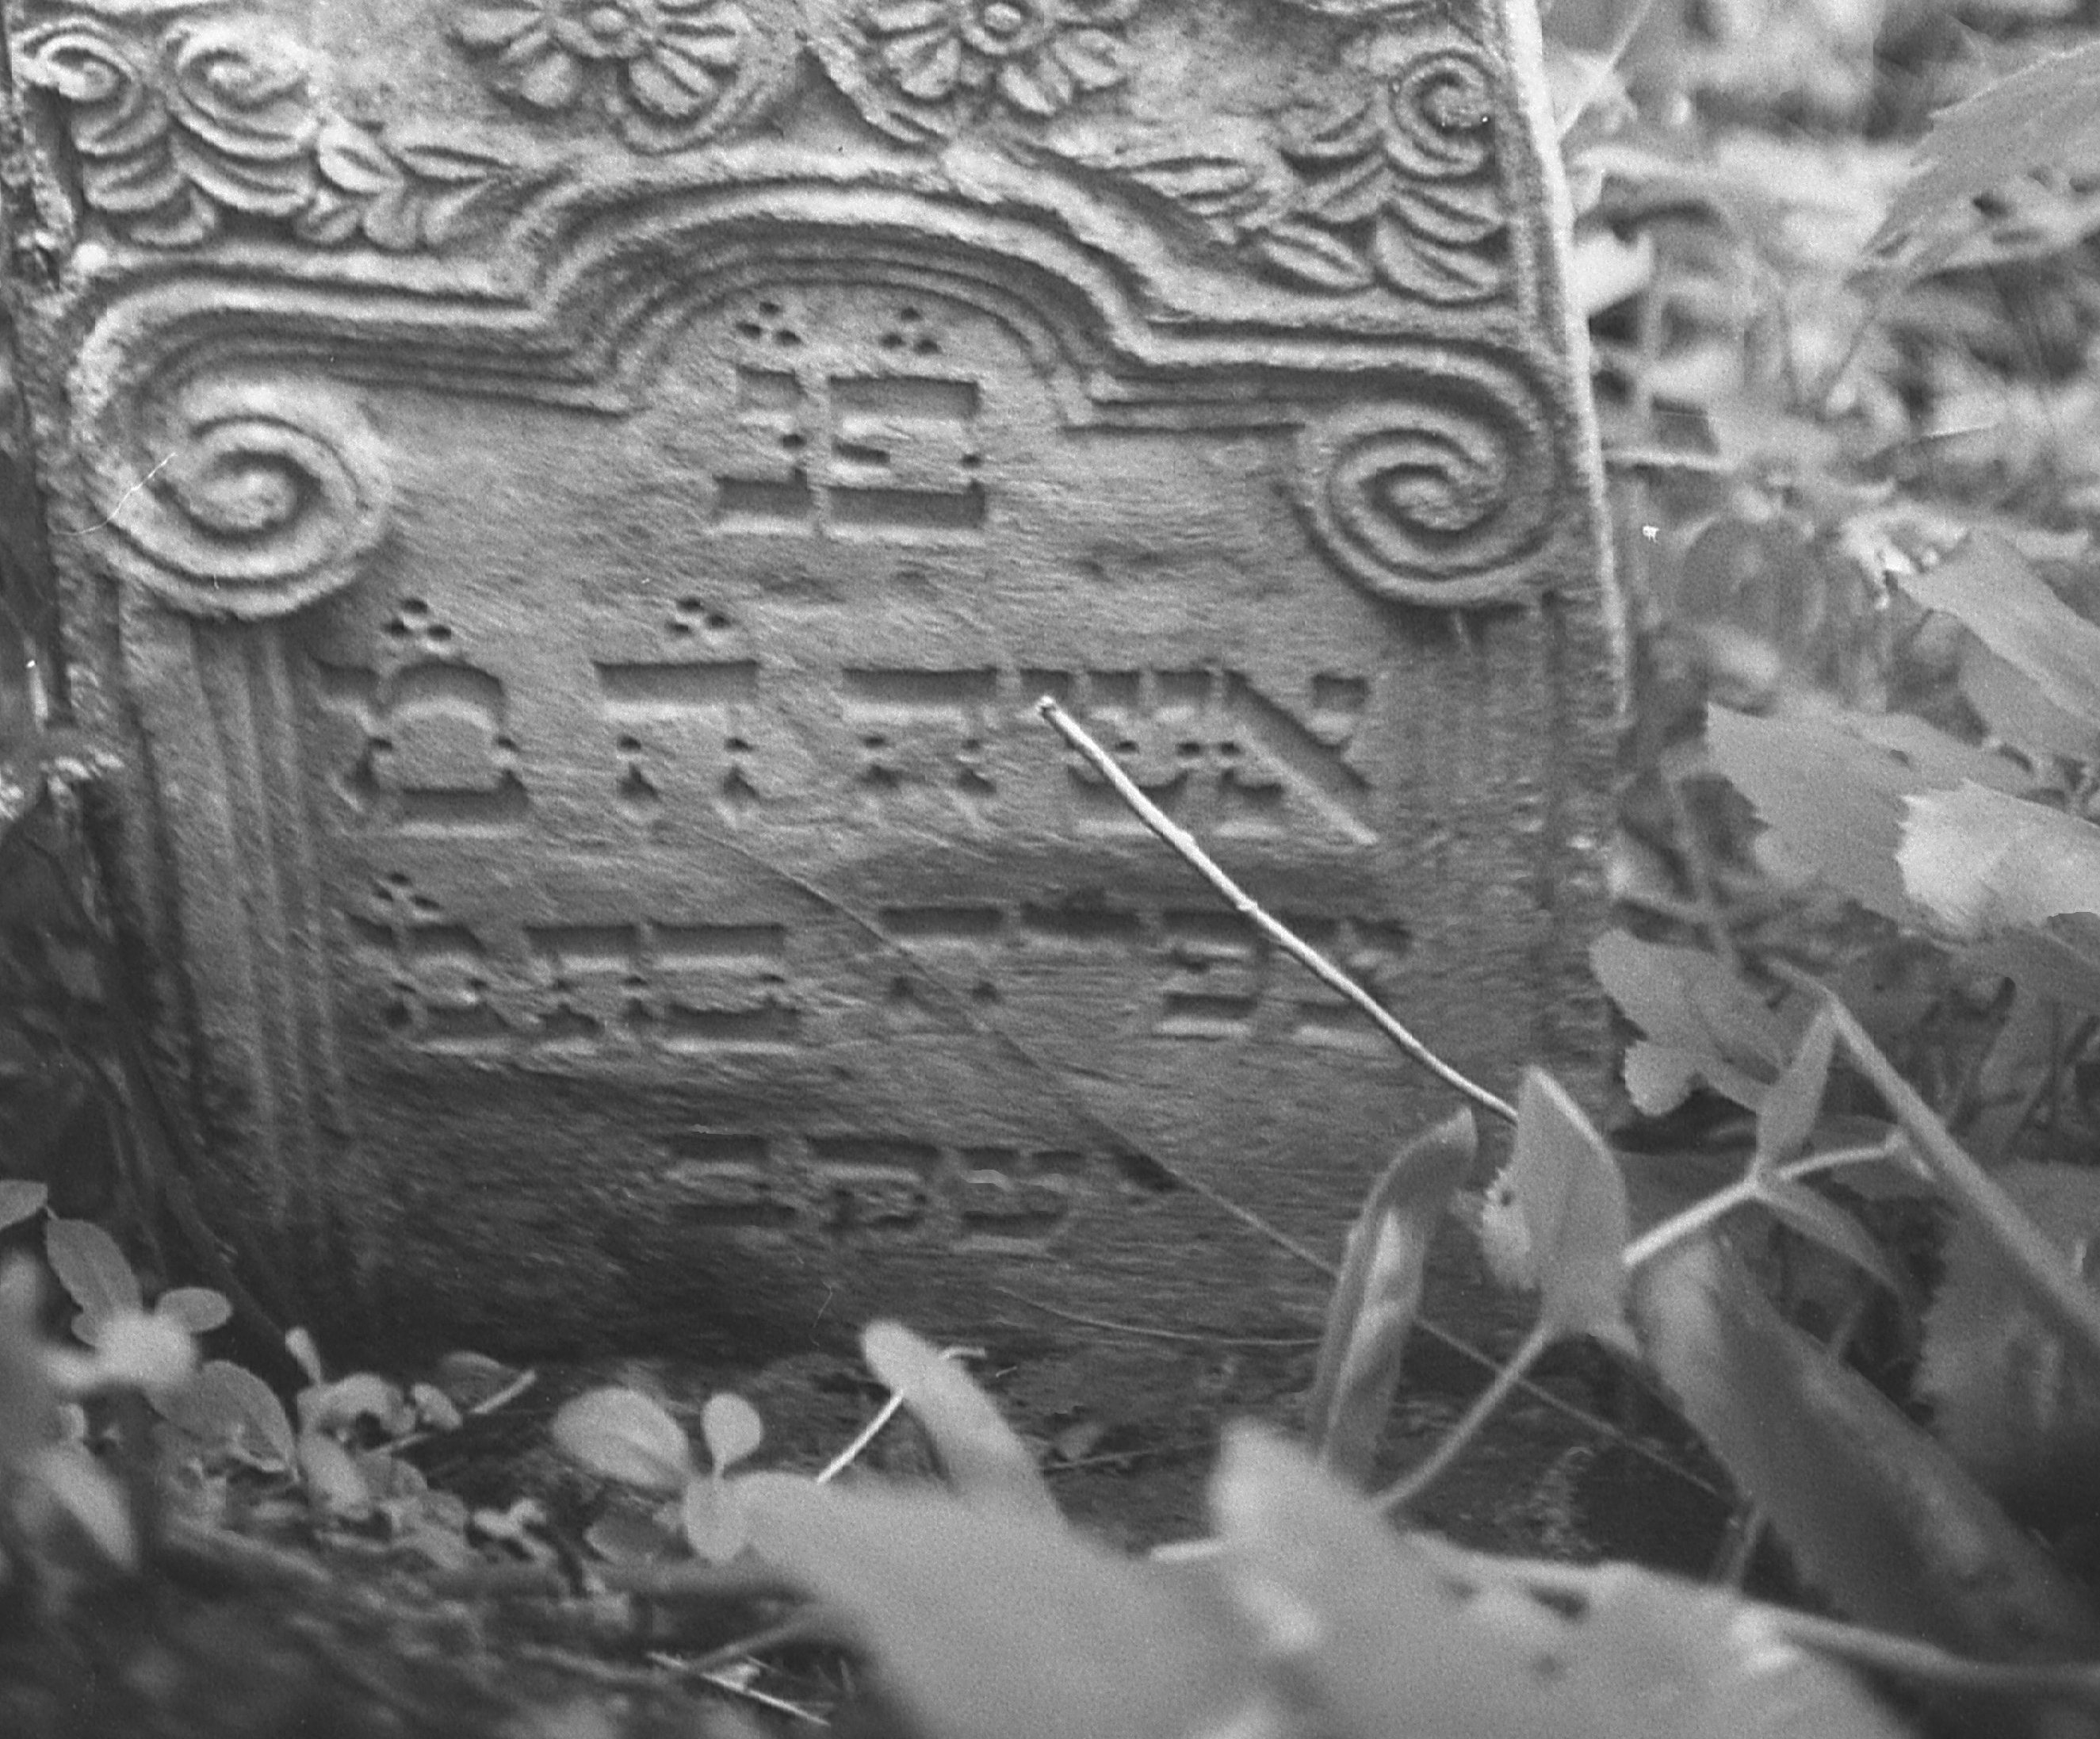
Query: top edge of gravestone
1303, 202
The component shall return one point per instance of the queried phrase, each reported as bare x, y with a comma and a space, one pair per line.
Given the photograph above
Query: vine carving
178, 132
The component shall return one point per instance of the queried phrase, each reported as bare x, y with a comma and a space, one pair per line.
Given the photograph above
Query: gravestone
563, 510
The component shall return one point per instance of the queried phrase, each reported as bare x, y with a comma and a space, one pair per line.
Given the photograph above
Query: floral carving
208, 120
1400, 185
923, 70
1035, 55
1395, 182
667, 72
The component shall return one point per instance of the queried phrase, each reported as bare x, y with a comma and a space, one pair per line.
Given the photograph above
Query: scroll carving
666, 73
1431, 503
184, 129
265, 496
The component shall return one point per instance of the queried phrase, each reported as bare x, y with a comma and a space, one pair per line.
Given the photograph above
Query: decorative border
182, 130
183, 127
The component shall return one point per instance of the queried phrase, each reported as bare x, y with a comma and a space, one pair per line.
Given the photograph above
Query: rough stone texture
565, 507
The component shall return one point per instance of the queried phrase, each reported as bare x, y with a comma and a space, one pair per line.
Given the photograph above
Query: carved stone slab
567, 506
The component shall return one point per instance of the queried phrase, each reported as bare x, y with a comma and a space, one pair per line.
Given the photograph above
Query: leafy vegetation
1837, 259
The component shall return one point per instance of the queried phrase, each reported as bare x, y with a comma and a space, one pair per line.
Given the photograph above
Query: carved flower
651, 63
1037, 54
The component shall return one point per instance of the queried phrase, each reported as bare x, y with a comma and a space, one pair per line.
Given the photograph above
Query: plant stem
1406, 1491
2056, 1287
1745, 1191
1183, 844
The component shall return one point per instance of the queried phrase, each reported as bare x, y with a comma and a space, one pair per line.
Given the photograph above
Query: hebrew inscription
565, 512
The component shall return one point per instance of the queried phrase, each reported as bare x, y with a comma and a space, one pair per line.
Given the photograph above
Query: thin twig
867, 1435
1183, 844
1405, 1492
1104, 1324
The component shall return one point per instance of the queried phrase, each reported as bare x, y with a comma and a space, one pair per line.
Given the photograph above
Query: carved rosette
263, 496
1433, 503
923, 70
666, 73
182, 128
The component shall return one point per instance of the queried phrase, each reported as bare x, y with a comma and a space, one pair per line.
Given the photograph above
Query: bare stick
1184, 843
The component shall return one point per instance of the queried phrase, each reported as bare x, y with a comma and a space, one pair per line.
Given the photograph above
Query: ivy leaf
983, 1458
1890, 1526
1573, 1202
1989, 588
1981, 862
94, 1270
21, 1198
621, 1434
997, 1619
1701, 1022
2044, 116
1377, 1294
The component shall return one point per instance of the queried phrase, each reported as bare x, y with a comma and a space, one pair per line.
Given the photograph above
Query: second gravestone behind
568, 510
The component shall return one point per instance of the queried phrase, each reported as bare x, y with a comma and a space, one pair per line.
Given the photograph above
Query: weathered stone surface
567, 505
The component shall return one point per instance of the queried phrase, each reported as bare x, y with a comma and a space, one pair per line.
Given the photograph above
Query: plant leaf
199, 1309
1787, 1114
1989, 588
1377, 1294
336, 1407
730, 1428
621, 1434
21, 1198
1818, 1218
711, 1516
94, 1270
2019, 1408
335, 1483
1573, 1202
151, 1353
1981, 862
82, 1487
1875, 1511
2044, 115
994, 1619
983, 1458
1369, 1622
227, 1405
1701, 1022
1834, 803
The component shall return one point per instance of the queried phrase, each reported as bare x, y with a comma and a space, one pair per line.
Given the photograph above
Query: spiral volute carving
244, 499
1432, 503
